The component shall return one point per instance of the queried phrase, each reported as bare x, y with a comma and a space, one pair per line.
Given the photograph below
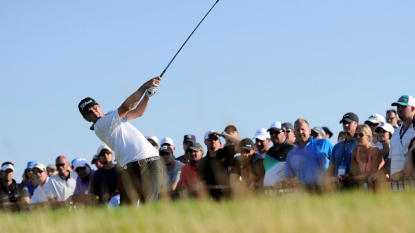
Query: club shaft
164, 71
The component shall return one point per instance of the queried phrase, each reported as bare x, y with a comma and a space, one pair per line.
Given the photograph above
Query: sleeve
77, 190
289, 172
51, 189
24, 192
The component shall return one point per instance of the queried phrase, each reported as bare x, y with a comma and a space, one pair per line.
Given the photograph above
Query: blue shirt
309, 163
342, 155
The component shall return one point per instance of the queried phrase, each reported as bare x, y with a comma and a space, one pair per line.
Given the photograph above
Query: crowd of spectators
366, 153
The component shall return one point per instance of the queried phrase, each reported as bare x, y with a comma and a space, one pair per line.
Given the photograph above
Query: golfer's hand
152, 82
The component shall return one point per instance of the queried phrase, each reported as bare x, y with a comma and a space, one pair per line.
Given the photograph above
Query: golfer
142, 171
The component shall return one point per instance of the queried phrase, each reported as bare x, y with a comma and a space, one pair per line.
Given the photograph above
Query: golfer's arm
130, 103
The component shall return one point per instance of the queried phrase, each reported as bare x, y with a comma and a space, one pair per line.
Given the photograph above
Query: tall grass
347, 212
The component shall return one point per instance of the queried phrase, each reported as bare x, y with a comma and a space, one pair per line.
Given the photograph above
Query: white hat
167, 140
376, 118
275, 125
387, 127
319, 130
40, 167
79, 162
7, 166
209, 133
100, 148
154, 138
262, 134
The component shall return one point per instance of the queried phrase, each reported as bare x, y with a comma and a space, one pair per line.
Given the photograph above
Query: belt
141, 162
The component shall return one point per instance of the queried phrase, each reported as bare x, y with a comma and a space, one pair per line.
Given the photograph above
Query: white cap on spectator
276, 125
262, 134
7, 166
167, 140
385, 126
376, 118
208, 133
40, 166
79, 162
154, 138
100, 148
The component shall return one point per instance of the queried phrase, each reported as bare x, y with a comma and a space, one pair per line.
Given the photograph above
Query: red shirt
190, 174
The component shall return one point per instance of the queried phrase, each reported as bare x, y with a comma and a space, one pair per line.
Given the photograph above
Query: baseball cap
94, 158
167, 140
262, 134
86, 104
189, 138
153, 138
349, 117
166, 148
246, 144
385, 126
100, 148
319, 130
40, 166
211, 133
195, 147
79, 162
375, 118
31, 164
405, 100
7, 166
328, 131
275, 125
51, 166
287, 125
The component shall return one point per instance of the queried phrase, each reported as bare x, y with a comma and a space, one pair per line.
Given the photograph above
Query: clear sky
250, 63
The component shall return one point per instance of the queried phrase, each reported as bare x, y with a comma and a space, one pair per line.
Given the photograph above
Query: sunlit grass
347, 212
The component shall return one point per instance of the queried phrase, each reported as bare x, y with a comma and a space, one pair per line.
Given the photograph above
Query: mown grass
347, 212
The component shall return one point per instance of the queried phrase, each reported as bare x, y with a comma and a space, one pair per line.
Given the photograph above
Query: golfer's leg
151, 180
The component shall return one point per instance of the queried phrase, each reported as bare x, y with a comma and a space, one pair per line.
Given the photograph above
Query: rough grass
347, 212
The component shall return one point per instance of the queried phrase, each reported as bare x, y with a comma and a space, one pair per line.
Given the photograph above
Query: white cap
387, 127
79, 162
100, 148
167, 140
154, 138
376, 118
7, 166
209, 133
275, 125
262, 134
40, 167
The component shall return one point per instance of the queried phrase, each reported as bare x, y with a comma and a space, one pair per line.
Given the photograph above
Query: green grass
347, 212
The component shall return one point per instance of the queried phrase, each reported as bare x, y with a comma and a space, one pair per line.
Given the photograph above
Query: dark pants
141, 181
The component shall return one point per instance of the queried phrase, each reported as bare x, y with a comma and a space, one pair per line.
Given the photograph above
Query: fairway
346, 212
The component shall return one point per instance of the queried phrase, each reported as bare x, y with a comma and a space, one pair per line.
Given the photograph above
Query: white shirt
61, 189
123, 138
40, 194
378, 144
395, 153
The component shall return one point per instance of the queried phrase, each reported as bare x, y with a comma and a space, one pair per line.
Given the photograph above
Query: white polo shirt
40, 194
397, 147
61, 189
128, 143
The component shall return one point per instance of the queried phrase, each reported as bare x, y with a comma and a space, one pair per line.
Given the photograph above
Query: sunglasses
360, 135
372, 124
37, 172
212, 139
390, 118
79, 169
164, 154
60, 165
276, 132
288, 131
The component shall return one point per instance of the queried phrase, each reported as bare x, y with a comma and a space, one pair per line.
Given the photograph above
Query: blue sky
250, 63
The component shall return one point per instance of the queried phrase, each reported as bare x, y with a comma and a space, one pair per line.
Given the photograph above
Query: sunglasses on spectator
390, 118
276, 132
314, 134
213, 139
79, 169
372, 124
8, 170
360, 135
60, 165
37, 172
288, 131
164, 154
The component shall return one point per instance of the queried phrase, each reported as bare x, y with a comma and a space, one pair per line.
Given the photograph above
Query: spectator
289, 130
366, 158
187, 140
96, 162
25, 177
173, 168
12, 195
153, 140
190, 171
169, 142
105, 179
51, 170
231, 130
341, 137
307, 161
274, 161
392, 118
342, 152
385, 132
31, 185
318, 133
85, 174
409, 166
374, 121
214, 167
328, 132
62, 185
41, 192
262, 140
399, 142
248, 169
